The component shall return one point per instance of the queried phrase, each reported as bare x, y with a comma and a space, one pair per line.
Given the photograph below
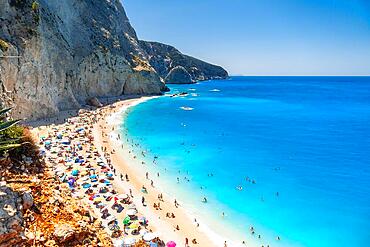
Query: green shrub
35, 6
10, 133
13, 132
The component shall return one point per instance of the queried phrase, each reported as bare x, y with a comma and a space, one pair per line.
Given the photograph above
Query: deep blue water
305, 138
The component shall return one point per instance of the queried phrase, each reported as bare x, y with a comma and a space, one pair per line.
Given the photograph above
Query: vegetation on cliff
10, 133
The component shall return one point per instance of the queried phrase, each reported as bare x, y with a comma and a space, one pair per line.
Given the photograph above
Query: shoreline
188, 228
123, 160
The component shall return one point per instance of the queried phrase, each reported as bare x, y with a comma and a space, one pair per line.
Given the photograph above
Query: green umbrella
126, 220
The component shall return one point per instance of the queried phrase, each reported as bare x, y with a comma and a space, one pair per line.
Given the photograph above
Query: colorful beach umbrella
131, 212
86, 185
75, 172
98, 199
171, 244
149, 236
134, 225
126, 220
129, 241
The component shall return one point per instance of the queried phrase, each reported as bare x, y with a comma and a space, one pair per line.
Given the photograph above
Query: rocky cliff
172, 65
54, 55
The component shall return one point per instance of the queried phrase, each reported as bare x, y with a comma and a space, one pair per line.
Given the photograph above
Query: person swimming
204, 200
239, 187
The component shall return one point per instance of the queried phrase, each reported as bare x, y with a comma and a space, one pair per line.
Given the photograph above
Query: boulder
11, 218
64, 233
27, 200
94, 102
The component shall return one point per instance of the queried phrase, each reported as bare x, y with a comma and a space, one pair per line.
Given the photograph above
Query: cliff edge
172, 65
55, 55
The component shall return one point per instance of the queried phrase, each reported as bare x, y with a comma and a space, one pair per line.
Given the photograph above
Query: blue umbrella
75, 172
86, 185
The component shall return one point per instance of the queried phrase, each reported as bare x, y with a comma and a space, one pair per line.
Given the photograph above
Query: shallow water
305, 141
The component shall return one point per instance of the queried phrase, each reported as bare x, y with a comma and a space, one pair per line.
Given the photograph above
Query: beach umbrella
86, 185
131, 212
93, 176
134, 225
149, 236
75, 172
84, 173
129, 241
118, 243
111, 219
98, 199
171, 244
126, 220
65, 142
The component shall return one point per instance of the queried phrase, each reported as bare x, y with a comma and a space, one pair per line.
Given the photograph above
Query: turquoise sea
298, 146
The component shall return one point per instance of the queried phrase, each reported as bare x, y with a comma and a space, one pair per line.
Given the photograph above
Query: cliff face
170, 63
56, 54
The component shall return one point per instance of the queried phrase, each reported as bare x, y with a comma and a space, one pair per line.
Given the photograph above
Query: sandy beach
167, 220
164, 226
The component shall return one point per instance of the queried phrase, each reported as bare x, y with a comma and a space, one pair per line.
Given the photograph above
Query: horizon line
234, 75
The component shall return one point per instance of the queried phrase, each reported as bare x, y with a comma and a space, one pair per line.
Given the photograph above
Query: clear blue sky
262, 37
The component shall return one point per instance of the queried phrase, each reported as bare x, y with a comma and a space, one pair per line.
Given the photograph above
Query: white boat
186, 108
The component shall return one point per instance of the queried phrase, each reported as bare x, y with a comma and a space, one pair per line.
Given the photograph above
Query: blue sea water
304, 141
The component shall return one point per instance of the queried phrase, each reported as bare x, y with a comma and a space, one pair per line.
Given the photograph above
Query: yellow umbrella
98, 199
84, 173
134, 225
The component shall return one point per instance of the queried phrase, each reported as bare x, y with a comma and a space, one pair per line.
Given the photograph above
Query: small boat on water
186, 108
215, 90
